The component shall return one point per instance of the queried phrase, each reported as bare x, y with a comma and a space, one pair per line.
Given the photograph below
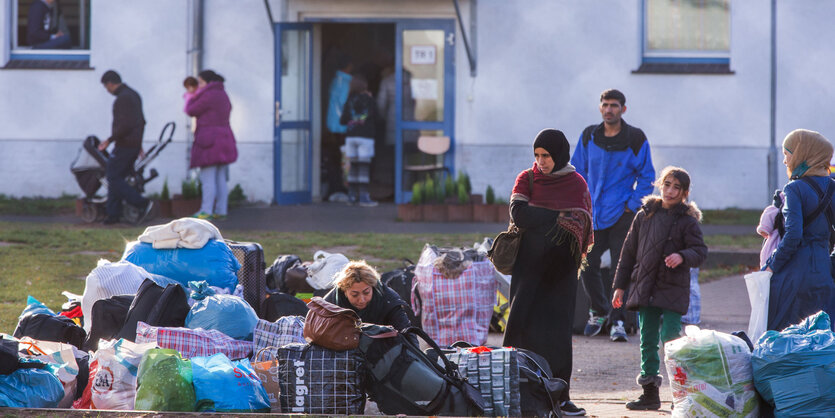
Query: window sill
42, 64
683, 68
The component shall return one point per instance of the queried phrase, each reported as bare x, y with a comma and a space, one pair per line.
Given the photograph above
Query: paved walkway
338, 217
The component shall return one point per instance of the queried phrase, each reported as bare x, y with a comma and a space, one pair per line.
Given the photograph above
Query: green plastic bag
165, 382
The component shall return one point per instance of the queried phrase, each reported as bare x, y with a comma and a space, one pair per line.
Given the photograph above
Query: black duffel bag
46, 327
401, 379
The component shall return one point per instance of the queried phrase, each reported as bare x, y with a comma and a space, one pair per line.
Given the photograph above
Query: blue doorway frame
447, 126
303, 126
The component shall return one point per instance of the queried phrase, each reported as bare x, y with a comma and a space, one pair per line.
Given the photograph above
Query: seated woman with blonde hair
358, 287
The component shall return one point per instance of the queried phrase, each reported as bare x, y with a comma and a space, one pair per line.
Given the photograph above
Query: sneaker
366, 201
618, 333
569, 409
218, 217
202, 215
594, 325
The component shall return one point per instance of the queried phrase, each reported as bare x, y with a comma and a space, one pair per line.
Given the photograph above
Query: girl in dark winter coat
662, 244
556, 216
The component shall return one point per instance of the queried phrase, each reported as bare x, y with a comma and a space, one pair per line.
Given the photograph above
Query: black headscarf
556, 144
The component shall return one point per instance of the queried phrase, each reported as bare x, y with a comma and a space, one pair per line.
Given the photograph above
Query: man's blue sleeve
646, 175
578, 160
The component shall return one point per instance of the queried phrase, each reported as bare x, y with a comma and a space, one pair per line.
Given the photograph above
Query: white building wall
540, 64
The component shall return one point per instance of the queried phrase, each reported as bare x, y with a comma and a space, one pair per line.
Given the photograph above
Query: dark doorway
370, 48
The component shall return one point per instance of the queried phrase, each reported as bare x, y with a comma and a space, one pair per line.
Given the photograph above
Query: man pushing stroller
128, 128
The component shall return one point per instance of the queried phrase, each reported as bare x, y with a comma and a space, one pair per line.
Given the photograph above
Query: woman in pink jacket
214, 144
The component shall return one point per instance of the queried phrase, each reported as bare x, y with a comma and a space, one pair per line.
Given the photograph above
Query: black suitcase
252, 272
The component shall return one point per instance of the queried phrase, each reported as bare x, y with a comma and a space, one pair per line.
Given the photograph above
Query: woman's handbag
505, 248
506, 244
331, 326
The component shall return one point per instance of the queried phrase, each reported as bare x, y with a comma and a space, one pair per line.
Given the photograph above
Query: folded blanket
181, 233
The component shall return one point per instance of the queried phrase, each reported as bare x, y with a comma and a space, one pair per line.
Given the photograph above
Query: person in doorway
358, 288
802, 282
214, 143
614, 158
45, 27
127, 130
663, 243
360, 117
337, 96
556, 214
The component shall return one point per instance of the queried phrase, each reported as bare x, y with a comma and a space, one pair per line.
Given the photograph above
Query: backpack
156, 305
275, 273
404, 380
402, 281
107, 318
539, 391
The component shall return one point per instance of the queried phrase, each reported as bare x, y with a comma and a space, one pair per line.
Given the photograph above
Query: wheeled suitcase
252, 272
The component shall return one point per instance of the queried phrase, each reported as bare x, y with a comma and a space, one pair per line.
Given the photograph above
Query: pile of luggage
188, 321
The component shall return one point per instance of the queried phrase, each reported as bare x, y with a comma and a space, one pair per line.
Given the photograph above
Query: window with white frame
50, 27
685, 33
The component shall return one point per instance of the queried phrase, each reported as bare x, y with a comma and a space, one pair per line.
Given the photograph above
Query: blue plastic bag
223, 385
30, 388
794, 370
228, 314
215, 263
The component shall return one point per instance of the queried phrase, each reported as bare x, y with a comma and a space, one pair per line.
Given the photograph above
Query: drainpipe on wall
194, 62
772, 149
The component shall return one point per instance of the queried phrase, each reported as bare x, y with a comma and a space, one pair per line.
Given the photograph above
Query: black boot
650, 400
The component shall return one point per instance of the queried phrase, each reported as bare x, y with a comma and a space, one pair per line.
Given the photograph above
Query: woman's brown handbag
505, 248
506, 245
331, 326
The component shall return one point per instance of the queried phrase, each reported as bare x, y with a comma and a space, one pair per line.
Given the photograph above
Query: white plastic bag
107, 280
758, 284
710, 375
114, 384
325, 267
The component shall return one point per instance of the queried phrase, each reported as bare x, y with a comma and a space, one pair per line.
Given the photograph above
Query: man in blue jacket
615, 160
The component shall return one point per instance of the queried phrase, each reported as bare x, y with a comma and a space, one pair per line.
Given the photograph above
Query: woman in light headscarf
802, 283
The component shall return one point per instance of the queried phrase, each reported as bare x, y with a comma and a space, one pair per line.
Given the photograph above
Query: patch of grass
732, 216
734, 242
43, 260
709, 275
37, 206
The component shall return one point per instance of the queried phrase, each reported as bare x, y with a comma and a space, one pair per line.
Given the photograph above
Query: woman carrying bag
555, 215
802, 282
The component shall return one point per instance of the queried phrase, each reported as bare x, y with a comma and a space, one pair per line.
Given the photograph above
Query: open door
293, 142
425, 80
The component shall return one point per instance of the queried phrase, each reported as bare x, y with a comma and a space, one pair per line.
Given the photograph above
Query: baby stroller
89, 168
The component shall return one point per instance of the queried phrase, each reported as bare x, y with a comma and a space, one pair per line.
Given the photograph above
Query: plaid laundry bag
285, 330
315, 380
495, 373
193, 342
457, 309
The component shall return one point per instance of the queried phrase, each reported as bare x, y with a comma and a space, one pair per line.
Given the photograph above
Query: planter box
502, 213
485, 213
434, 213
183, 208
460, 213
164, 208
410, 212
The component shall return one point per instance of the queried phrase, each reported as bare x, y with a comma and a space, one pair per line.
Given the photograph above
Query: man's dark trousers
598, 288
118, 166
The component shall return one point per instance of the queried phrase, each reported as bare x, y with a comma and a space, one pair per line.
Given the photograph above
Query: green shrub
236, 195
490, 195
464, 181
449, 187
463, 196
428, 190
417, 193
164, 195
192, 189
